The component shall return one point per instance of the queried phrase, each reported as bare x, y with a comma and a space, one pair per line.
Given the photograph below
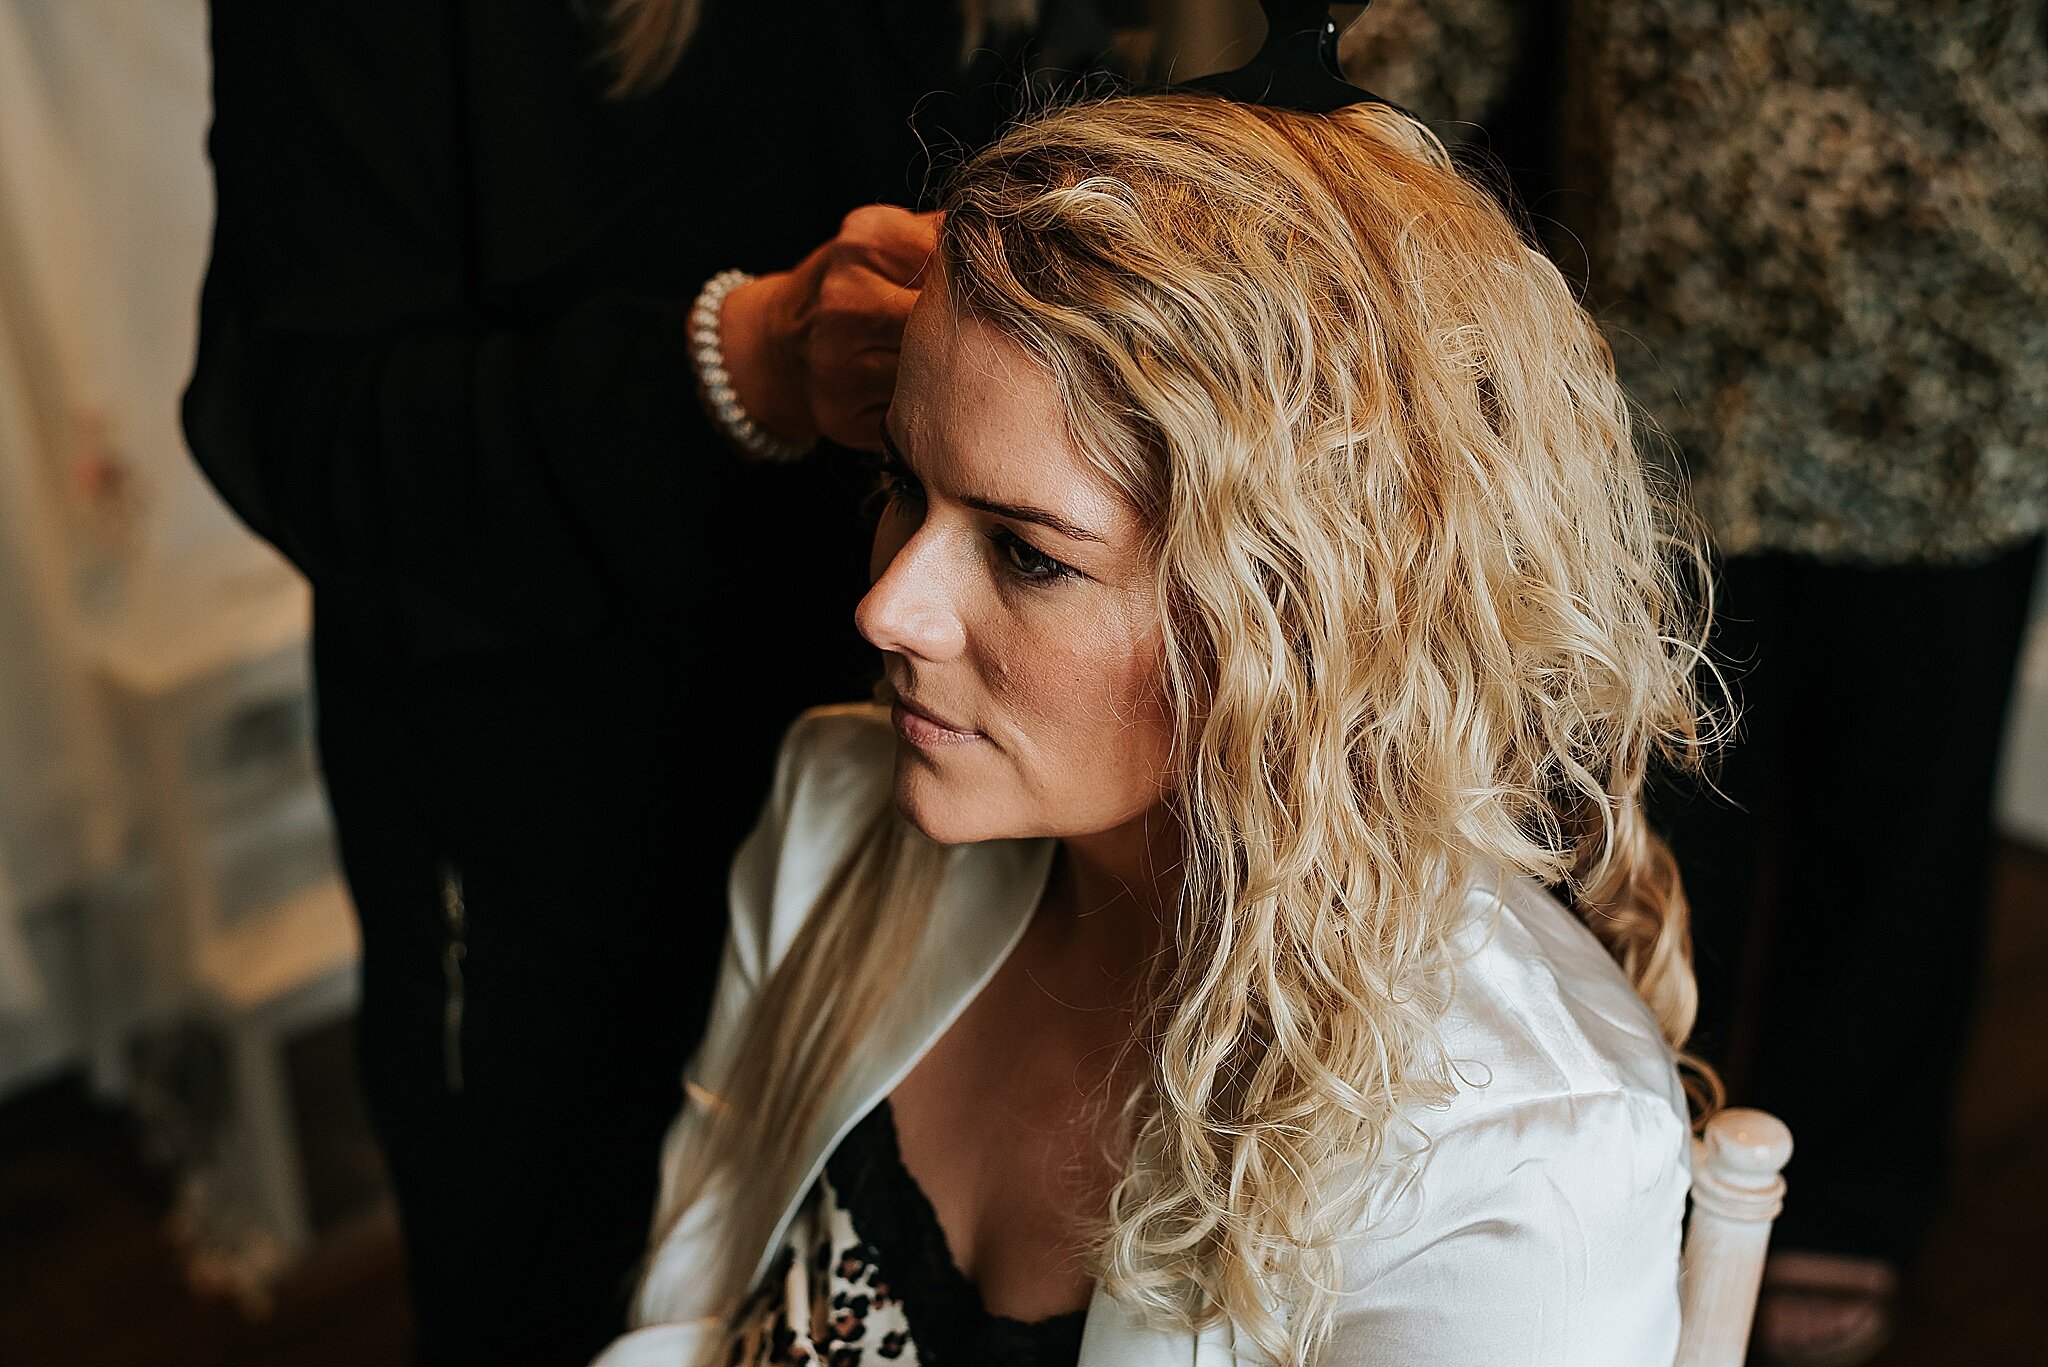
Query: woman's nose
912, 607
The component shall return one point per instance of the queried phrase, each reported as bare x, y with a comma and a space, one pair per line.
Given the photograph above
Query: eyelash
1025, 562
1017, 553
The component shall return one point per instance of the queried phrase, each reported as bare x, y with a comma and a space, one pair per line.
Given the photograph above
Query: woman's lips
921, 728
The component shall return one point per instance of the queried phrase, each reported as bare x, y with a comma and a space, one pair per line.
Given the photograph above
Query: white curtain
48, 742
105, 210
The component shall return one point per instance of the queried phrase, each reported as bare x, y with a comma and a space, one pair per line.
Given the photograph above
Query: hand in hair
812, 351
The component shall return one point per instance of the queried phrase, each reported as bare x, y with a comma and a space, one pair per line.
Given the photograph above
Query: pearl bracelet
708, 357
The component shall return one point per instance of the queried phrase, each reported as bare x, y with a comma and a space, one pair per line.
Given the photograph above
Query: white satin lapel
1114, 1336
980, 911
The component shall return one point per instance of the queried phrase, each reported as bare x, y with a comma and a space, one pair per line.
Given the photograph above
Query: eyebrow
1016, 512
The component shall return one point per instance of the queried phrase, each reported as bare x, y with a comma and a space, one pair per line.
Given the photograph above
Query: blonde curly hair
1424, 624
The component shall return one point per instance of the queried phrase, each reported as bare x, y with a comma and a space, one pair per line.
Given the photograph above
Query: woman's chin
945, 816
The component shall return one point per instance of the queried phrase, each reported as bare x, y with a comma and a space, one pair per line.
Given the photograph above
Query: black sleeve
475, 477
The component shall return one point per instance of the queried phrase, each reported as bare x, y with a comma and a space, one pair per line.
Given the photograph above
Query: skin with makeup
1015, 605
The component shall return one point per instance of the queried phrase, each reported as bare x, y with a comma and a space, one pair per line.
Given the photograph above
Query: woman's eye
1027, 561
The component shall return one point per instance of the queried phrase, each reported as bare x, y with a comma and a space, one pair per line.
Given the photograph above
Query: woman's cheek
1121, 680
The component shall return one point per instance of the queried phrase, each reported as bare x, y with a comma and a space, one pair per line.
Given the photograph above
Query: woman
1271, 605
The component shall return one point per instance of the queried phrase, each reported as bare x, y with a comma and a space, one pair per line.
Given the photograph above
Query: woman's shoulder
1560, 1074
1550, 1189
1539, 1010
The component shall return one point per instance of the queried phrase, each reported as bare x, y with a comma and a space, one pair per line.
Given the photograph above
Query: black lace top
879, 1284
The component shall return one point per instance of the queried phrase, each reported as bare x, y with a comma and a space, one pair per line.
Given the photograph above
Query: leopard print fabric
828, 1301
832, 1308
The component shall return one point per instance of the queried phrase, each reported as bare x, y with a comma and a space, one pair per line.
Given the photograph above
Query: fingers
856, 297
855, 330
849, 407
892, 241
870, 282
861, 287
859, 428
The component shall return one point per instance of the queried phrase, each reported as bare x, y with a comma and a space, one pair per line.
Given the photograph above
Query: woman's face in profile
1013, 601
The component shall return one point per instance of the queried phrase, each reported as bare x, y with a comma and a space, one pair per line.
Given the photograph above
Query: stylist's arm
812, 350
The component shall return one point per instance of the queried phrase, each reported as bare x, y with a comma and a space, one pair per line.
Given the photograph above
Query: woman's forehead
979, 418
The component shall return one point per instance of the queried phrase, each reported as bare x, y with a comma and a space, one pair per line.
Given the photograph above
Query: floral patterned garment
1823, 257
1818, 241
1449, 62
865, 1278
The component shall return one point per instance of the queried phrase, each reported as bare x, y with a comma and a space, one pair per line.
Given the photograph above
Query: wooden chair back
1736, 1193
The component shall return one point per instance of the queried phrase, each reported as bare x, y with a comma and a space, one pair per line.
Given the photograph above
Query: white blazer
1543, 1230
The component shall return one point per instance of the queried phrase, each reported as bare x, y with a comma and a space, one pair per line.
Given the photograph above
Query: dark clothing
901, 1235
1840, 892
559, 625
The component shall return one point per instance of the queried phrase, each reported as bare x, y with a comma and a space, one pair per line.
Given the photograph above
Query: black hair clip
1295, 68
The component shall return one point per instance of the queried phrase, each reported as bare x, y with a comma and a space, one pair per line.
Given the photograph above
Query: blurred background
186, 1172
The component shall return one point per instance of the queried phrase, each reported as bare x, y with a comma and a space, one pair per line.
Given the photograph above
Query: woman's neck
1112, 895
